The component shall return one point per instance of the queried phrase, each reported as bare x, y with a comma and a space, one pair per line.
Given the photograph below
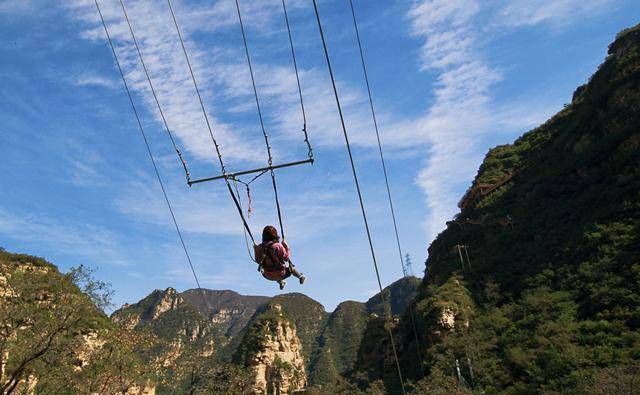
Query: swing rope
295, 67
148, 147
384, 170
357, 184
153, 91
206, 117
264, 132
195, 84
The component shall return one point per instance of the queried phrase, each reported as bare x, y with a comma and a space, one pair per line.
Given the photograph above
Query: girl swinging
273, 259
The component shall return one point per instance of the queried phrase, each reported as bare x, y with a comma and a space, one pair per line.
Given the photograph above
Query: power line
355, 177
384, 171
146, 143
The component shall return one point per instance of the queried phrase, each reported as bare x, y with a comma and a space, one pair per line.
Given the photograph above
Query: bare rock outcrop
169, 301
272, 349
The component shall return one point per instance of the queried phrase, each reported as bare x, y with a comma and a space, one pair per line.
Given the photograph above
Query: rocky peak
170, 299
272, 350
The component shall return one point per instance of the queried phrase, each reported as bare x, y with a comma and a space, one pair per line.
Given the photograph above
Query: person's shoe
302, 278
282, 283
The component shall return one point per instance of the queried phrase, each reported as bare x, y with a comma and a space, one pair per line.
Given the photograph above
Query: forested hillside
203, 335
535, 285
55, 339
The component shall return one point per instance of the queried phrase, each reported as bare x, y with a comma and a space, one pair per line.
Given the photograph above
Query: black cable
195, 84
355, 177
246, 241
295, 67
384, 169
146, 143
253, 82
239, 207
264, 132
153, 91
206, 117
275, 191
252, 180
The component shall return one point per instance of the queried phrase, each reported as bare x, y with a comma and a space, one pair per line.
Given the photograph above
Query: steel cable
264, 132
357, 184
384, 171
148, 147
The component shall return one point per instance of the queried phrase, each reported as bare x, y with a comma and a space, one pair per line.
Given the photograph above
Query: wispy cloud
462, 96
95, 80
321, 207
168, 69
223, 76
77, 239
466, 110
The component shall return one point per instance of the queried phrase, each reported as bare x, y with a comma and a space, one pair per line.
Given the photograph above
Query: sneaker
302, 278
282, 283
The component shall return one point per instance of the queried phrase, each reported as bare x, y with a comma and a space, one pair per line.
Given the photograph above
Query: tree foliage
53, 335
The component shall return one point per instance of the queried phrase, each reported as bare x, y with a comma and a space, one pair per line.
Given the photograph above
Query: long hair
269, 234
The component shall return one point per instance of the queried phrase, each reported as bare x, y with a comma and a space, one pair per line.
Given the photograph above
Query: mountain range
215, 323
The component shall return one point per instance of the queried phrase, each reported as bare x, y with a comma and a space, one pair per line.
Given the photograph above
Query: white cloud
556, 13
461, 109
208, 211
223, 76
169, 71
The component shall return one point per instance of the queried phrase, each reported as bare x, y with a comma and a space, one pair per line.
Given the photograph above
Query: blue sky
450, 79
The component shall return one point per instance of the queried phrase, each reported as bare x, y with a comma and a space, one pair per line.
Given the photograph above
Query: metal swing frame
231, 176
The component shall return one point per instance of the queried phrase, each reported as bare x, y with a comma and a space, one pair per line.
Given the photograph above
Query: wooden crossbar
245, 172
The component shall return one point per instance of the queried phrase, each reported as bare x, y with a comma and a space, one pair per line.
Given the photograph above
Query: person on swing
272, 257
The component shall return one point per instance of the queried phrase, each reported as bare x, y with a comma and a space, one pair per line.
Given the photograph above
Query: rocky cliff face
178, 326
228, 310
273, 351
